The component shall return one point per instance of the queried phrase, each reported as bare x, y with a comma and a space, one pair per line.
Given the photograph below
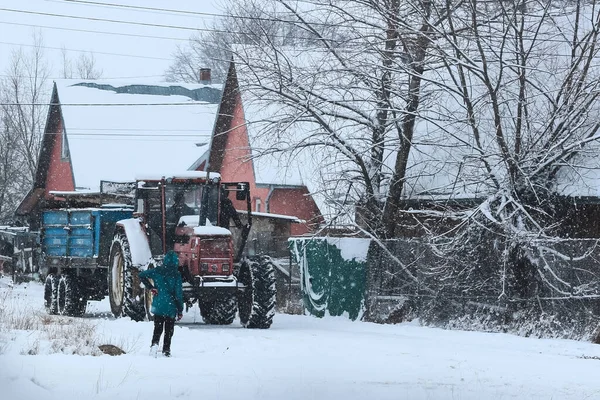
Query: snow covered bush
16, 316
34, 332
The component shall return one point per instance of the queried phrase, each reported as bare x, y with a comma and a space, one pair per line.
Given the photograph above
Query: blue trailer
75, 246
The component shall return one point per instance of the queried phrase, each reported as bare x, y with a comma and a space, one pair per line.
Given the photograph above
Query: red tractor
190, 213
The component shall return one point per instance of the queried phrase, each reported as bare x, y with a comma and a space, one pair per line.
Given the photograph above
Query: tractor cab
176, 208
165, 203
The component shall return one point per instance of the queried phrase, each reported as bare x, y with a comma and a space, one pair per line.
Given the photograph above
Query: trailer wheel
124, 291
50, 294
256, 303
70, 299
220, 311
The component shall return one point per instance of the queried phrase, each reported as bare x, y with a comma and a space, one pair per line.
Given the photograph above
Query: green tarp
333, 274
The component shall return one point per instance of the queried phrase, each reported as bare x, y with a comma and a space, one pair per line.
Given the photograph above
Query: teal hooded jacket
167, 280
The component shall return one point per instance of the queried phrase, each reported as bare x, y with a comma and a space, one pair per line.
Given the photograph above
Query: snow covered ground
300, 357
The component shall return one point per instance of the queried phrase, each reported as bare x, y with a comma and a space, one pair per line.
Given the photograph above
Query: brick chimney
205, 76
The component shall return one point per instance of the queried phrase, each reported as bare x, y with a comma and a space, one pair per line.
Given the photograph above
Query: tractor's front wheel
124, 291
256, 302
117, 264
220, 311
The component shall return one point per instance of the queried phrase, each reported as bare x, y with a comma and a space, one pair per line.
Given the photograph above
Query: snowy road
300, 357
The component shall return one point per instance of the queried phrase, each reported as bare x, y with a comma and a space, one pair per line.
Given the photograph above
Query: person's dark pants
169, 326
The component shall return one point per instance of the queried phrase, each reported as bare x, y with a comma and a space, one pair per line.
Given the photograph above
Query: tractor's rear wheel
134, 304
71, 300
125, 294
50, 294
220, 311
116, 285
256, 303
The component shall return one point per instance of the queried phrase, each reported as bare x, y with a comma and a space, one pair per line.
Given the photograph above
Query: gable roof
270, 170
218, 140
48, 141
274, 168
288, 147
118, 130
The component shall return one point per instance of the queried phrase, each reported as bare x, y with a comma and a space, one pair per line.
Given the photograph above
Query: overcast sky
137, 48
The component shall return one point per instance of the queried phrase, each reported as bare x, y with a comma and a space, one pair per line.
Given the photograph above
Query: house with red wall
276, 189
113, 131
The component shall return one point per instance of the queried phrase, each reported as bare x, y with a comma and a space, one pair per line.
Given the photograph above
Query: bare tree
520, 113
10, 179
247, 22
67, 64
22, 92
86, 67
493, 101
355, 86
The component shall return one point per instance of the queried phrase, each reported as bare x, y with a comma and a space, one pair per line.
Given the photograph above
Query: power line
141, 8
299, 49
114, 21
110, 104
146, 139
152, 25
88, 51
187, 28
90, 31
196, 13
104, 135
213, 30
139, 130
165, 138
185, 12
82, 79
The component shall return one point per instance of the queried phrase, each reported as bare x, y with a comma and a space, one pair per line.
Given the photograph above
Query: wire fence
546, 288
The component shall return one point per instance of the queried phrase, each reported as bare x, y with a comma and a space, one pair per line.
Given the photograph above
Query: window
258, 203
64, 148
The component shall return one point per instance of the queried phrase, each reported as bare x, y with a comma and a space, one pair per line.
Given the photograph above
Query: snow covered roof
179, 175
445, 158
118, 130
274, 216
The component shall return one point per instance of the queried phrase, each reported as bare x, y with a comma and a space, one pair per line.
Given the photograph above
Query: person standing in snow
167, 301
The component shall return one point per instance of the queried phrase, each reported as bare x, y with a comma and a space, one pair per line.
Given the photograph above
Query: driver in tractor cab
228, 211
174, 213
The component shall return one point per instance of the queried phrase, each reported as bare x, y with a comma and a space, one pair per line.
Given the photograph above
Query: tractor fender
139, 247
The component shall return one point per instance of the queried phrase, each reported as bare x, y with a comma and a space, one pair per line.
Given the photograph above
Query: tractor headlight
225, 267
204, 267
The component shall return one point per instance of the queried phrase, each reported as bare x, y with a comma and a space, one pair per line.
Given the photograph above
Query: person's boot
167, 352
154, 350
